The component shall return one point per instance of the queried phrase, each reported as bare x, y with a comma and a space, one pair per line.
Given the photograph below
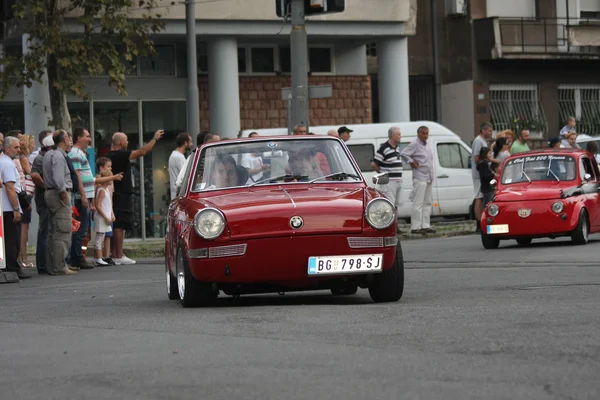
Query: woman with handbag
25, 195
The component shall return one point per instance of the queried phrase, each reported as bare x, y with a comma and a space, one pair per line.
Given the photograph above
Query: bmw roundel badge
296, 222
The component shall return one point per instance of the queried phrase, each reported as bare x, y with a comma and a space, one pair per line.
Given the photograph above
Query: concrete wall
457, 109
356, 10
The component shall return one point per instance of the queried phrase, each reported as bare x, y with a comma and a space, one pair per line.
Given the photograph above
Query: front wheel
389, 285
580, 234
489, 242
192, 293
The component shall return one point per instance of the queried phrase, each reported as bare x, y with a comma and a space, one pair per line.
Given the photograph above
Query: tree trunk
61, 118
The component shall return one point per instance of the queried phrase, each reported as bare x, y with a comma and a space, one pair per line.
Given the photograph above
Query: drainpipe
436, 61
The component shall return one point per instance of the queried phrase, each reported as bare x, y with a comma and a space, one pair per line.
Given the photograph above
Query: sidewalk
154, 248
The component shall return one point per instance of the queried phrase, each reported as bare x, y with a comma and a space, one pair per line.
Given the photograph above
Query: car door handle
443, 176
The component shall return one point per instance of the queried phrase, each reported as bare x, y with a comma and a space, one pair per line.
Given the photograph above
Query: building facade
529, 63
243, 59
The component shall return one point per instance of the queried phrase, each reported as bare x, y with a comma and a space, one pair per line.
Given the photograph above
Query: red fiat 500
280, 214
547, 193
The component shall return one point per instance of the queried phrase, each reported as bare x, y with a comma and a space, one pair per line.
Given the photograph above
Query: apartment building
243, 63
526, 62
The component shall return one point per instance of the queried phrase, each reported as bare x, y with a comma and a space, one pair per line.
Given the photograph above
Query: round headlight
493, 210
209, 223
380, 213
557, 207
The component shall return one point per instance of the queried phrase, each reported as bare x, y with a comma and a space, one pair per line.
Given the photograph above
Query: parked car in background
453, 187
547, 193
308, 222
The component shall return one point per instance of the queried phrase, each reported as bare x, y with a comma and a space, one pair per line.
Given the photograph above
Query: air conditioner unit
456, 7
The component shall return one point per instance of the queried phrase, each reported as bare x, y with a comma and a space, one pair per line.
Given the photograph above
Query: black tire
579, 236
171, 281
489, 242
389, 285
524, 241
344, 290
193, 293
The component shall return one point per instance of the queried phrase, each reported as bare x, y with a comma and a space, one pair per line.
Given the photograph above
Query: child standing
104, 164
103, 218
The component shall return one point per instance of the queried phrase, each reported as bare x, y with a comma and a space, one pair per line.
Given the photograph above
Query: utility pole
193, 101
299, 53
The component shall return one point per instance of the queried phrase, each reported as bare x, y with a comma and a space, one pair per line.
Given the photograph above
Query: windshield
263, 162
539, 168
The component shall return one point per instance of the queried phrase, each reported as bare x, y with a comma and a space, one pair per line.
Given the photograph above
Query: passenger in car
304, 163
224, 172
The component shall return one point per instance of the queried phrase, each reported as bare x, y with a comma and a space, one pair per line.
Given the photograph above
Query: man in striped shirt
387, 159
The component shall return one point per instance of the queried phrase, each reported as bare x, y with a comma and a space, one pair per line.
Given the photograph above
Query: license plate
491, 229
336, 265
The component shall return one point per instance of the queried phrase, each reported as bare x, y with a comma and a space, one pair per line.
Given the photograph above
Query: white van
453, 186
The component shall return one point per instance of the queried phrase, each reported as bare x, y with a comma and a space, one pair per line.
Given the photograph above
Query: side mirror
381, 179
587, 177
493, 182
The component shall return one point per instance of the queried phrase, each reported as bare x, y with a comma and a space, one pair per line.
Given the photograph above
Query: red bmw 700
546, 193
280, 214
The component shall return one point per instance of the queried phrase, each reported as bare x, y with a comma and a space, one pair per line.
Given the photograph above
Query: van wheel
580, 234
489, 242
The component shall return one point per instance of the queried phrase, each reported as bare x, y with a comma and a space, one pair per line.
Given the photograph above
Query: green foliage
102, 41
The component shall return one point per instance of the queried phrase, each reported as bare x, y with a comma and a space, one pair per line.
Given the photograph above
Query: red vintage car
280, 214
547, 193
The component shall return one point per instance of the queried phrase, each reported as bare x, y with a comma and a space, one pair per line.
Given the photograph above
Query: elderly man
59, 186
37, 173
387, 159
11, 209
300, 130
123, 193
420, 157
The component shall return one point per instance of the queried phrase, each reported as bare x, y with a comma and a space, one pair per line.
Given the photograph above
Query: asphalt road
511, 323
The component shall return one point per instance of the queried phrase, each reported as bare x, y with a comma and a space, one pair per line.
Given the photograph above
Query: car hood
266, 212
523, 193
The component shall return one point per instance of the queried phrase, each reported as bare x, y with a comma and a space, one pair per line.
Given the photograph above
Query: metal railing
548, 35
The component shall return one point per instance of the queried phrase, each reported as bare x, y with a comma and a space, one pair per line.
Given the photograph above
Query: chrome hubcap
180, 276
585, 229
168, 281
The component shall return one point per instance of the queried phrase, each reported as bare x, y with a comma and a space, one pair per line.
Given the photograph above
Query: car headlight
209, 223
380, 213
493, 210
558, 207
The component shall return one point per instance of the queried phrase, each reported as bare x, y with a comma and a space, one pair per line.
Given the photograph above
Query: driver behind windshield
304, 163
224, 172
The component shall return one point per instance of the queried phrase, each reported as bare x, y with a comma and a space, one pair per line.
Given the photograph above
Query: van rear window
363, 154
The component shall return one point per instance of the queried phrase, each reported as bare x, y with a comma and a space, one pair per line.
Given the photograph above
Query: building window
583, 103
517, 107
262, 60
453, 155
371, 49
160, 64
320, 60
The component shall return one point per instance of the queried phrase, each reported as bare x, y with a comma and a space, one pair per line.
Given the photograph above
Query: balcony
537, 38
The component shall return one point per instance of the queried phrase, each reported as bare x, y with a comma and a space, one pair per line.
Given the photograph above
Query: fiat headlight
380, 213
558, 207
209, 223
493, 210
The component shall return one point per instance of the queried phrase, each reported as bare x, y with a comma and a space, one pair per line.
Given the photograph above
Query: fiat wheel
580, 234
389, 285
192, 293
489, 242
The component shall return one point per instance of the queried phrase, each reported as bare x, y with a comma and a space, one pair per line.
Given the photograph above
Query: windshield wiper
340, 174
552, 172
523, 172
288, 176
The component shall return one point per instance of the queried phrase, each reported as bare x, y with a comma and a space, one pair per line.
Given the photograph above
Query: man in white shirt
177, 159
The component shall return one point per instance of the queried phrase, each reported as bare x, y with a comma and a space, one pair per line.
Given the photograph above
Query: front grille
365, 242
227, 251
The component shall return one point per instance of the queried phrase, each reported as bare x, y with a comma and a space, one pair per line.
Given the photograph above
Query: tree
107, 42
